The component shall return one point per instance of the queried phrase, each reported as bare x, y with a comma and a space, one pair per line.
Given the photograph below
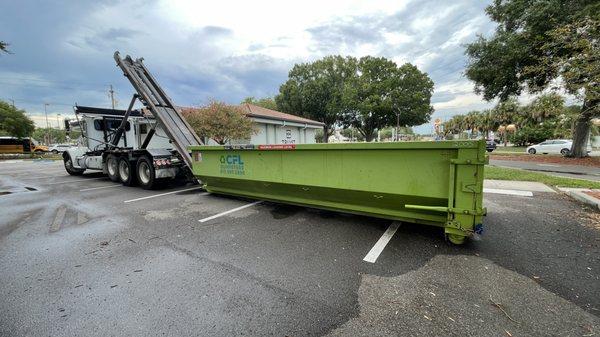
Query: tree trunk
582, 129
326, 134
369, 135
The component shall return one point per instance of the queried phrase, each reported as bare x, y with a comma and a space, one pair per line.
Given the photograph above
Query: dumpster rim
418, 145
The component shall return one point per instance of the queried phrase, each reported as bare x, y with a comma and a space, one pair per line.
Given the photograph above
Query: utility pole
58, 121
13, 103
47, 124
111, 92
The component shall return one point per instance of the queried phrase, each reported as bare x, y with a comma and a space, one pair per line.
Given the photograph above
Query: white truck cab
94, 150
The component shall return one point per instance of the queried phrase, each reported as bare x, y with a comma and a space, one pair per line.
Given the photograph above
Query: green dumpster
432, 183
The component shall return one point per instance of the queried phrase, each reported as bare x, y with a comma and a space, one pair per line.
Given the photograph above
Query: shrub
531, 135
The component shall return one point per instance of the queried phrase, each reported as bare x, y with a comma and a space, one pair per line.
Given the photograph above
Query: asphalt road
82, 256
570, 171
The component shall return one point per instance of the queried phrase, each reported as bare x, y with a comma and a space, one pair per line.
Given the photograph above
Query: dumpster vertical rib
451, 185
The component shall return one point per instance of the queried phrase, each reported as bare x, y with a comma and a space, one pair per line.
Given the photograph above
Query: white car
557, 146
59, 148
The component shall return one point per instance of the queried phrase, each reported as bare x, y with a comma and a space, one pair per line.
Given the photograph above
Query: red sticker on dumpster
277, 147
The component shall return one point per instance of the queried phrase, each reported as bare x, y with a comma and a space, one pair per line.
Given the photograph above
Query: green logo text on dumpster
232, 164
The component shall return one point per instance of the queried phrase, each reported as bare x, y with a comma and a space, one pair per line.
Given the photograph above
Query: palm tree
488, 122
545, 107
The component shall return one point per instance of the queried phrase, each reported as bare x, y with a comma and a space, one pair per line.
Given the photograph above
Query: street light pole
47, 124
112, 96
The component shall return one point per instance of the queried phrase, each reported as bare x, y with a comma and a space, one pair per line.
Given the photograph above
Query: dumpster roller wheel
456, 239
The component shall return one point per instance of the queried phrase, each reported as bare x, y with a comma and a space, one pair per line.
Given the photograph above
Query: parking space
82, 253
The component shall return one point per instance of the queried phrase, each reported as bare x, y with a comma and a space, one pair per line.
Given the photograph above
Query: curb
577, 193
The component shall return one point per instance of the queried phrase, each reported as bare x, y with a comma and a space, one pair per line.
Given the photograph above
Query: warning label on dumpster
277, 147
232, 164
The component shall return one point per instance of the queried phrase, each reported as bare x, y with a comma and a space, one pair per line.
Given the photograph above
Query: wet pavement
83, 256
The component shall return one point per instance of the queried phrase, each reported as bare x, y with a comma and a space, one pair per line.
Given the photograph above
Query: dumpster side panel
432, 183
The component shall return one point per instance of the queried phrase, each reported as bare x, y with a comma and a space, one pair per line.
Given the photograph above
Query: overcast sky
227, 50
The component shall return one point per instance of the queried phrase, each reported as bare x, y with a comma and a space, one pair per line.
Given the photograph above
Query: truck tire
146, 175
112, 167
126, 173
69, 166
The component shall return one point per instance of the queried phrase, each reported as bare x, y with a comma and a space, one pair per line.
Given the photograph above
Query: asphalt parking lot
83, 256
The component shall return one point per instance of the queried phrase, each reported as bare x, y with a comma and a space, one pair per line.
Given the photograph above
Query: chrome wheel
144, 172
124, 170
111, 166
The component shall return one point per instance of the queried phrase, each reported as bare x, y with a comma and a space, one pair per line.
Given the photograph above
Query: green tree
353, 134
411, 96
54, 135
14, 122
454, 125
530, 135
314, 90
487, 122
507, 112
574, 55
367, 101
267, 102
220, 122
382, 94
535, 43
545, 107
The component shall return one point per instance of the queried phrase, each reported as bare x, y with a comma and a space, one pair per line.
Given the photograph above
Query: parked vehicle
554, 146
20, 145
490, 145
133, 146
58, 148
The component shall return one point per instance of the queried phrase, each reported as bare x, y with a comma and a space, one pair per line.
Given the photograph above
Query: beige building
275, 127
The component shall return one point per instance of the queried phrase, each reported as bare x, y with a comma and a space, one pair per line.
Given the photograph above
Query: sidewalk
517, 185
587, 196
526, 188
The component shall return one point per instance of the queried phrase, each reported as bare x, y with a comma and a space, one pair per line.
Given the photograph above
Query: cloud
225, 50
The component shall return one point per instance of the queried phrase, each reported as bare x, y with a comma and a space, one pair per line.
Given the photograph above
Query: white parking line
160, 195
382, 242
508, 192
99, 188
230, 211
37, 178
28, 173
72, 181
58, 219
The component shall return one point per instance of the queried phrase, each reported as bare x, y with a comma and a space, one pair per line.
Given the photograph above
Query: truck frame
144, 147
